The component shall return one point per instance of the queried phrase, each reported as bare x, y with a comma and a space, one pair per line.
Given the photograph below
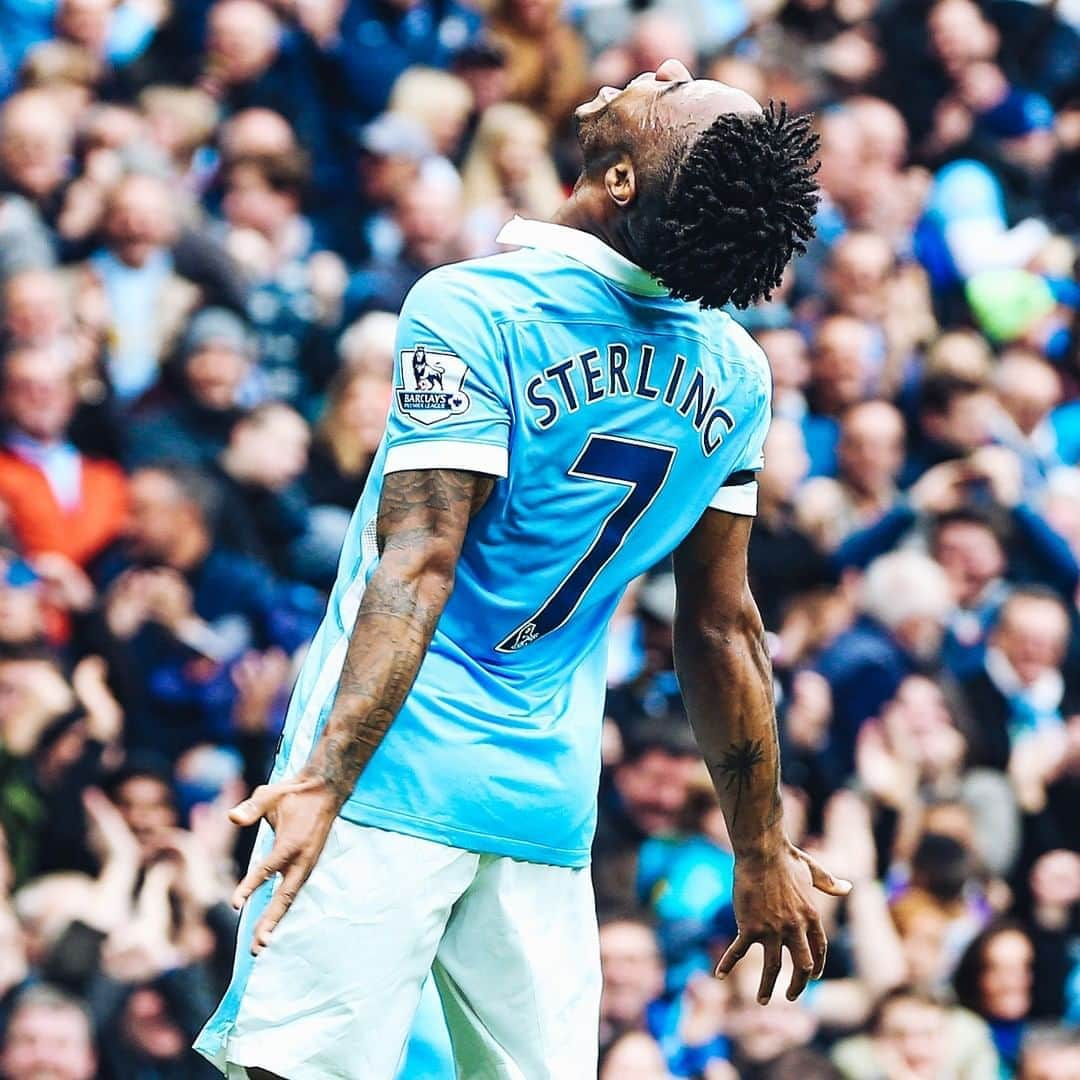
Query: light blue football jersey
613, 416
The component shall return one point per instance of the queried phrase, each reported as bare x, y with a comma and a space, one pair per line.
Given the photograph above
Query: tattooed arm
423, 516
422, 521
726, 681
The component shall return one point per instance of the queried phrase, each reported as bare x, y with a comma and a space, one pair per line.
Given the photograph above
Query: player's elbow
427, 566
720, 628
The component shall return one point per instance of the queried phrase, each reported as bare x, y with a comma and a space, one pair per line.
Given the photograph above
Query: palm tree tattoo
737, 763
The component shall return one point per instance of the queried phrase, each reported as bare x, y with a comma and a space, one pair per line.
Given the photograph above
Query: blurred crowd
210, 211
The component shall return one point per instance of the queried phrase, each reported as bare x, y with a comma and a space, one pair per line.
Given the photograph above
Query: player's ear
620, 182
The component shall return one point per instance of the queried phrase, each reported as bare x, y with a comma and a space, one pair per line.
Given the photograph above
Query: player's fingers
257, 805
803, 959
282, 900
819, 946
822, 880
773, 958
734, 953
261, 871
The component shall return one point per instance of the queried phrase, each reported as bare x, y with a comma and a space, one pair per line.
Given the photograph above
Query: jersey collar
584, 248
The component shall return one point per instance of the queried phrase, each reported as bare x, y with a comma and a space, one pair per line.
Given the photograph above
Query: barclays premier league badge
433, 382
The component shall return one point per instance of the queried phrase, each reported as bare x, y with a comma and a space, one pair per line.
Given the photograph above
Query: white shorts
512, 947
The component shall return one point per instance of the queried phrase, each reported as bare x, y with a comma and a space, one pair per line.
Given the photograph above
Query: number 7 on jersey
641, 468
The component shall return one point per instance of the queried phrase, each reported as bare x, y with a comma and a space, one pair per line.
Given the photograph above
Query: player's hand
300, 812
773, 905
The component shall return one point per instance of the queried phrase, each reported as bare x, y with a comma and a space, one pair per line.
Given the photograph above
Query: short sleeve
450, 407
739, 491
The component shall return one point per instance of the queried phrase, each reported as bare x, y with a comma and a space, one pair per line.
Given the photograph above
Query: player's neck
589, 210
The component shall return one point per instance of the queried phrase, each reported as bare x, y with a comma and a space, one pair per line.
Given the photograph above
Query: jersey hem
740, 499
488, 458
453, 836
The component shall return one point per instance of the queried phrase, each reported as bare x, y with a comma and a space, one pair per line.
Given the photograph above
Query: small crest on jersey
522, 636
432, 385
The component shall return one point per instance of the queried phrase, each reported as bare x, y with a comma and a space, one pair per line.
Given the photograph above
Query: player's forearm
423, 516
726, 681
393, 629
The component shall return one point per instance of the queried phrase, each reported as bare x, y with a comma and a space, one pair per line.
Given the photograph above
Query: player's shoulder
497, 287
733, 343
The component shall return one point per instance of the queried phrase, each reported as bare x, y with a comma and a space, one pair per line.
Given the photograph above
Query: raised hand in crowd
170, 601
65, 585
120, 856
886, 765
127, 604
941, 488
260, 679
1037, 760
141, 948
104, 719
1000, 467
809, 711
33, 693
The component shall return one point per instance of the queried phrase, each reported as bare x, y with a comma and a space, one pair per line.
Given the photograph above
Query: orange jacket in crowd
42, 525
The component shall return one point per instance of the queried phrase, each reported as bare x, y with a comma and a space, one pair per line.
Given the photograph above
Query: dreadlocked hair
740, 205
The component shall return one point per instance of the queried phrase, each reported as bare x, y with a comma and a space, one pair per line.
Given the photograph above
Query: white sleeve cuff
448, 454
736, 499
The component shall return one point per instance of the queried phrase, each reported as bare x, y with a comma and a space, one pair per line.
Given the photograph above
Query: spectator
34, 307
1021, 689
253, 61
545, 59
36, 139
650, 39
348, 437
258, 473
790, 365
1028, 389
179, 610
917, 756
297, 287
59, 501
783, 559
842, 372
214, 368
439, 102
634, 1054
870, 454
508, 171
633, 975
903, 607
1049, 1055
142, 792
181, 121
801, 1065
144, 300
393, 38
994, 979
965, 545
392, 150
256, 132
760, 1035
368, 345
646, 797
48, 1034
428, 214
914, 1032
909, 1033
115, 39
956, 417
69, 73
